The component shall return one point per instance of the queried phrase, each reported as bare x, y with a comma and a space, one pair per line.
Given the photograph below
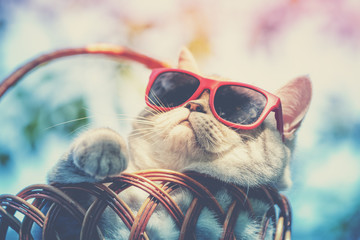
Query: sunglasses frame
273, 102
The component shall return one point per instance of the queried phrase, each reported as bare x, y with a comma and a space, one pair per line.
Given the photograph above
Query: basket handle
108, 50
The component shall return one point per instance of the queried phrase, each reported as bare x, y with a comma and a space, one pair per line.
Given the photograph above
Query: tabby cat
200, 126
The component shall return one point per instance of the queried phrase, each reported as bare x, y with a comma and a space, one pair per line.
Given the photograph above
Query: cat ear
295, 99
187, 61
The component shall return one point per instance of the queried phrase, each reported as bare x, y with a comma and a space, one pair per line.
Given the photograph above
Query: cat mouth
186, 123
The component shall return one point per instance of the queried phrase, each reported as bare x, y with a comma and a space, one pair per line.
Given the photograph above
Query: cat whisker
143, 118
145, 122
142, 130
67, 122
142, 133
126, 116
80, 129
157, 101
153, 112
137, 119
151, 139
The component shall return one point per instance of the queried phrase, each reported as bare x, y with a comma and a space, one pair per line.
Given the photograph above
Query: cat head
190, 138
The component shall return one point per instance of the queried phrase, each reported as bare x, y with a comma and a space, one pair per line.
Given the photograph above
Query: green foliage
348, 225
32, 128
71, 116
4, 159
39, 112
64, 119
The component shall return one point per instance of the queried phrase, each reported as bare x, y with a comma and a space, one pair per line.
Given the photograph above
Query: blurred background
266, 43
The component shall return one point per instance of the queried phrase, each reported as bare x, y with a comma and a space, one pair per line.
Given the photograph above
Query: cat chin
193, 142
181, 137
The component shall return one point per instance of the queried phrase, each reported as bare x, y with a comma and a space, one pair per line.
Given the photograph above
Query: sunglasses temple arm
279, 121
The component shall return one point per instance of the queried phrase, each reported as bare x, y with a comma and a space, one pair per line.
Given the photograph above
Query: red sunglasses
237, 105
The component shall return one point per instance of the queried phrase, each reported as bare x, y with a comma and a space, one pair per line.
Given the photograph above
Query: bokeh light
263, 43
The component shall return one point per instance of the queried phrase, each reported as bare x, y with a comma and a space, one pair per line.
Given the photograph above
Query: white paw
100, 153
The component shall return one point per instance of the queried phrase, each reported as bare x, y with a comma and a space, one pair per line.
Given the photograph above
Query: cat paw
100, 153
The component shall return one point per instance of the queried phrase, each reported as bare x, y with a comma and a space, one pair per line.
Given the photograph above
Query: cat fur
184, 140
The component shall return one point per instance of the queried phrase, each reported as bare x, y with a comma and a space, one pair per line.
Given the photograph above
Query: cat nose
195, 107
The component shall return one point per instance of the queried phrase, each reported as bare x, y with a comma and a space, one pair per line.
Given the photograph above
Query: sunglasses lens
239, 104
171, 89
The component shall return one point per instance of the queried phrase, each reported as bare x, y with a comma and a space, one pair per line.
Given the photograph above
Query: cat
189, 138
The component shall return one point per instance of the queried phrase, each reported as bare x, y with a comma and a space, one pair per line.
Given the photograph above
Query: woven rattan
159, 184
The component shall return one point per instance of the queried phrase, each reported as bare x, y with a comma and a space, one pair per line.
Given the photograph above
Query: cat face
191, 138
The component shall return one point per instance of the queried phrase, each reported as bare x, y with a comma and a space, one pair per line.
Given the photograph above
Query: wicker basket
20, 212
159, 185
